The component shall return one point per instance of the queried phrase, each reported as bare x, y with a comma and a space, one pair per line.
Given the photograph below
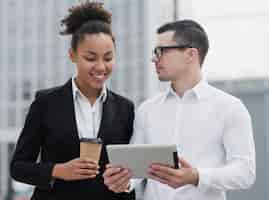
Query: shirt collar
76, 91
199, 91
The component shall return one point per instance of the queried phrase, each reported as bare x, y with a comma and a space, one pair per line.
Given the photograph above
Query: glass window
12, 89
24, 111
11, 58
41, 83
11, 4
1, 123
27, 55
11, 117
26, 90
1, 89
1, 175
40, 55
28, 30
11, 29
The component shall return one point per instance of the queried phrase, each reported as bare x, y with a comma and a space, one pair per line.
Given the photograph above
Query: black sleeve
24, 166
131, 120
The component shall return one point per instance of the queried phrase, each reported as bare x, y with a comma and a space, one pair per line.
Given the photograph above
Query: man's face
171, 62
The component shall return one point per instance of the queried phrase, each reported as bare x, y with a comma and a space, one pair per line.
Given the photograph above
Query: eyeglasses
158, 51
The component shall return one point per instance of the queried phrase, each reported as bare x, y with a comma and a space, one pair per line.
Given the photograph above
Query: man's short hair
188, 32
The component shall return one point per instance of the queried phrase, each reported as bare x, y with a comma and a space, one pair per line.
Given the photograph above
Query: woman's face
95, 59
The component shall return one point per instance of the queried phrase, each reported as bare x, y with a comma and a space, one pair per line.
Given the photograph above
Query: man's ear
72, 55
192, 54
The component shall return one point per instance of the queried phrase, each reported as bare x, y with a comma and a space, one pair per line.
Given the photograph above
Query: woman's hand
117, 179
76, 169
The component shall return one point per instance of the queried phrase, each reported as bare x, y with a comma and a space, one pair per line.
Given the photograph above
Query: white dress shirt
88, 117
213, 132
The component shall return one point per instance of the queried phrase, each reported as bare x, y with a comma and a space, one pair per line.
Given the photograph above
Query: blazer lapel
69, 113
108, 115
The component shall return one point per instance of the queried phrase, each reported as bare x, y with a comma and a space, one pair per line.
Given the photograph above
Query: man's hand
174, 177
77, 169
117, 179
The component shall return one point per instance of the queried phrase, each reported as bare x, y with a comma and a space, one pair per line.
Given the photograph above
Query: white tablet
138, 157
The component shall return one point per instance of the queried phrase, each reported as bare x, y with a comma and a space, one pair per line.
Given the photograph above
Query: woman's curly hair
88, 17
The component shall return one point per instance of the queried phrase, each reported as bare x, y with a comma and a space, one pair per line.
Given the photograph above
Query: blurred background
34, 56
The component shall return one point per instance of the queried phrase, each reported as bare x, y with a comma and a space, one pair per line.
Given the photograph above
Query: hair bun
82, 13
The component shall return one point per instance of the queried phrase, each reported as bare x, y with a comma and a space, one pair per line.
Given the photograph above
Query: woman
82, 107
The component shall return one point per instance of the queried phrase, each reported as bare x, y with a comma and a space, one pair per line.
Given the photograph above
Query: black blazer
50, 129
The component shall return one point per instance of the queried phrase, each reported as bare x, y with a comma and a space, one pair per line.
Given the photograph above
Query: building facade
34, 56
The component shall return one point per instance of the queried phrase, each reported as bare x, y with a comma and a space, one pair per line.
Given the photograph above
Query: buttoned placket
178, 127
89, 119
93, 110
178, 124
93, 121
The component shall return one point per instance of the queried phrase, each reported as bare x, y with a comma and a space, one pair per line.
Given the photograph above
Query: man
211, 128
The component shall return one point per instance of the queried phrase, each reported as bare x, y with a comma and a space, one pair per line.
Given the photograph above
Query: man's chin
163, 79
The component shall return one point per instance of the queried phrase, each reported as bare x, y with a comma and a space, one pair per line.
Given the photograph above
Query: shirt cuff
204, 179
52, 183
133, 184
130, 187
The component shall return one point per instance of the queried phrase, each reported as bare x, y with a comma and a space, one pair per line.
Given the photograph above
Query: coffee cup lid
92, 140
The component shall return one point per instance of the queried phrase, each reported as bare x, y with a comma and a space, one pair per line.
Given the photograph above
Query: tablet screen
138, 157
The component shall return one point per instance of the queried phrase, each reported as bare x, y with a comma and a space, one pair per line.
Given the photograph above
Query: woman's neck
90, 93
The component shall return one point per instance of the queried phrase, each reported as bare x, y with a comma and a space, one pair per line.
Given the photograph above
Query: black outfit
50, 129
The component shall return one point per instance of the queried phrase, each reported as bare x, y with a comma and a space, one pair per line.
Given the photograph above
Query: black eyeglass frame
158, 51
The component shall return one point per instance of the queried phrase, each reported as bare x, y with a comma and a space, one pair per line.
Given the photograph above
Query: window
11, 59
12, 88
26, 90
11, 117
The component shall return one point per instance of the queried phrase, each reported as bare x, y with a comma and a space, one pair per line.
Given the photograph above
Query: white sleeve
138, 137
239, 172
139, 131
